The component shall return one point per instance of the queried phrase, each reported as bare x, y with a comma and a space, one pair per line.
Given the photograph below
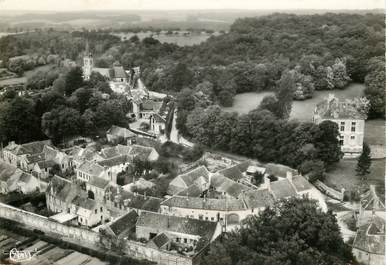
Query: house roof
98, 182
32, 159
166, 223
232, 173
46, 164
91, 168
160, 240
282, 189
114, 161
142, 152
119, 72
63, 189
84, 202
6, 171
258, 198
192, 191
223, 184
300, 183
136, 201
333, 108
371, 237
371, 201
32, 148
124, 222
119, 131
192, 176
25, 177
205, 204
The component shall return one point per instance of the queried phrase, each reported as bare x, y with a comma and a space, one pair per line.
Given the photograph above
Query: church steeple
88, 63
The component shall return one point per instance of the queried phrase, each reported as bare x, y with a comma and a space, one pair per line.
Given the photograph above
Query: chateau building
350, 121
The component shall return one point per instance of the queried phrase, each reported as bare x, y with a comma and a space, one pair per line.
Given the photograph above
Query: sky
68, 5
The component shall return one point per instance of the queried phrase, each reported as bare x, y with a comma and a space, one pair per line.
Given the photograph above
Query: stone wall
42, 223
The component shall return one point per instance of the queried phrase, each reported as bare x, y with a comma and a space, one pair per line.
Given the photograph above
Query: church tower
88, 63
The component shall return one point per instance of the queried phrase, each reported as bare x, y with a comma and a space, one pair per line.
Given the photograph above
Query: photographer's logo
19, 256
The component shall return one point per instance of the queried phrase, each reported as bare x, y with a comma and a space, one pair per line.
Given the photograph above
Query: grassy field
23, 79
375, 132
343, 175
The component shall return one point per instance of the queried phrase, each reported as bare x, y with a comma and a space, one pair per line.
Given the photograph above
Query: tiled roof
114, 161
98, 182
371, 201
232, 173
190, 177
192, 191
91, 168
205, 204
137, 201
333, 108
258, 198
300, 183
32, 159
142, 152
119, 72
371, 237
161, 240
223, 184
84, 202
282, 189
119, 131
163, 223
46, 164
25, 177
63, 189
6, 171
124, 222
32, 148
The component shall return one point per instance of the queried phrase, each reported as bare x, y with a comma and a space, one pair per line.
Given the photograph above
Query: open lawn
23, 79
301, 110
375, 132
343, 175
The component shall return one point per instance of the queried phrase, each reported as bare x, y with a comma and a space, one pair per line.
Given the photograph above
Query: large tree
292, 232
364, 162
73, 80
375, 87
327, 143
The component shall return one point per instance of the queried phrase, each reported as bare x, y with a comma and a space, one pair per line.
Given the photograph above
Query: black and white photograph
192, 132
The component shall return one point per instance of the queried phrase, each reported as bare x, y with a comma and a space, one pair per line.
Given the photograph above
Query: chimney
289, 176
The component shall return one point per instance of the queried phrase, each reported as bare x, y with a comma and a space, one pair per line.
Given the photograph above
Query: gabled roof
232, 173
98, 182
32, 159
371, 237
32, 148
160, 240
301, 184
193, 190
137, 201
6, 171
91, 168
124, 222
230, 187
120, 132
258, 198
205, 204
370, 201
84, 202
282, 189
119, 72
142, 152
334, 108
46, 164
189, 178
63, 189
114, 161
166, 223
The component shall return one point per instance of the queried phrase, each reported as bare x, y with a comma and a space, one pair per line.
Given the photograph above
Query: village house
144, 153
96, 188
369, 243
16, 154
118, 134
78, 155
13, 179
43, 169
113, 166
64, 196
157, 124
119, 201
350, 121
121, 227
89, 170
181, 230
198, 176
222, 187
60, 158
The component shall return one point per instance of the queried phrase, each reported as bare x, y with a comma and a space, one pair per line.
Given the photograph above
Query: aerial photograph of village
194, 132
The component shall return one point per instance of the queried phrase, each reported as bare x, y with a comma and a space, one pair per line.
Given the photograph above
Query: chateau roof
333, 108
177, 224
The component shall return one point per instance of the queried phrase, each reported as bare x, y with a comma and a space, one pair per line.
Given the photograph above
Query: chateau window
185, 240
353, 125
352, 137
341, 140
96, 211
342, 124
101, 209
